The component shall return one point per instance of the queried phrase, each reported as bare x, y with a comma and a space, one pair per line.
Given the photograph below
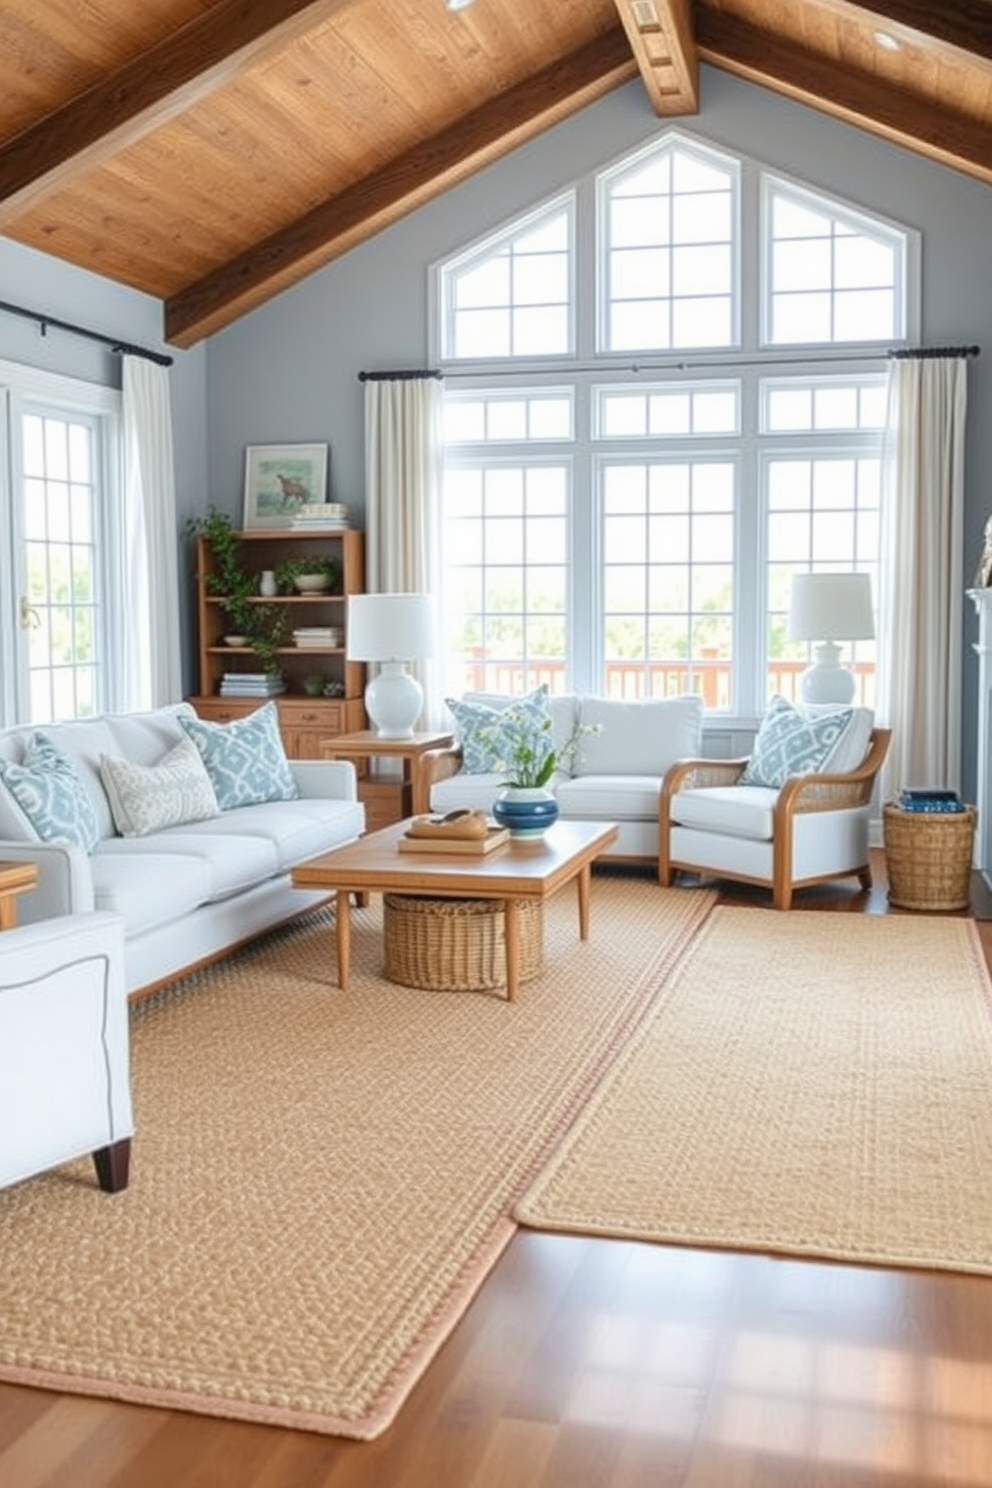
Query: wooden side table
14, 879
387, 798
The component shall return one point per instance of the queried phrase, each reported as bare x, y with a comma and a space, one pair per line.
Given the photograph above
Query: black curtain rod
402, 376
121, 347
921, 353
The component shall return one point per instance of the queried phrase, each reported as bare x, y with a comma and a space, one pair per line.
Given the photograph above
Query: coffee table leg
583, 882
511, 917
343, 902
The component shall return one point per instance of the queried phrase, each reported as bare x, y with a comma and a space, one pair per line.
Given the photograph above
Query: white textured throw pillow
146, 798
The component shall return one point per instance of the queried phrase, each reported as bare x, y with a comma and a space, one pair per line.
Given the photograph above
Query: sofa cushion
245, 759
146, 798
727, 809
791, 741
642, 736
484, 729
232, 861
147, 888
51, 795
610, 797
292, 830
563, 706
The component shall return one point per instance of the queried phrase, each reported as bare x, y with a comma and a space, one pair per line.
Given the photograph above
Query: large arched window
664, 397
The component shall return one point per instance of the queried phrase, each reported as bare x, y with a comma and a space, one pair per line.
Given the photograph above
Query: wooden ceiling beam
413, 178
147, 91
965, 26
936, 131
661, 38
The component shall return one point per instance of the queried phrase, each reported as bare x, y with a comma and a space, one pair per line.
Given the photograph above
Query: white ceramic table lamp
391, 629
827, 608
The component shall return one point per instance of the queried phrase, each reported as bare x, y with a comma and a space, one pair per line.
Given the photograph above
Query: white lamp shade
827, 608
389, 627
831, 607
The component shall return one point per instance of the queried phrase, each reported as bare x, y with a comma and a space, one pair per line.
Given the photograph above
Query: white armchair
65, 1085
812, 828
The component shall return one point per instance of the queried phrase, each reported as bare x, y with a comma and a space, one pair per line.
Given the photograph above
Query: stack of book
327, 516
319, 636
925, 799
250, 684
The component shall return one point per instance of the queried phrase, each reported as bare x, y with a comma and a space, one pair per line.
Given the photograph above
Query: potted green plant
315, 575
263, 626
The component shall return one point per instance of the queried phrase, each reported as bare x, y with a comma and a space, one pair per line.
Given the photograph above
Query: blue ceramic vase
528, 811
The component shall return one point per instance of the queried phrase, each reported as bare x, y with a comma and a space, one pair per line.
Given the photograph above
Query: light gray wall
39, 282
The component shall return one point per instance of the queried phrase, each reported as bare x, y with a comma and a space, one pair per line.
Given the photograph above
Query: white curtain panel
920, 583
150, 668
404, 462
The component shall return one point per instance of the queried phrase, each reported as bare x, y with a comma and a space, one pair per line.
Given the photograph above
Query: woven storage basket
456, 945
928, 857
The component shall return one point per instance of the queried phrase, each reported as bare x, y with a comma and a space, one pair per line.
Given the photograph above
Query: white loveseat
185, 892
615, 775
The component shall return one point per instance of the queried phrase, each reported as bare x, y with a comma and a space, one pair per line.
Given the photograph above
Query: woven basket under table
457, 945
928, 857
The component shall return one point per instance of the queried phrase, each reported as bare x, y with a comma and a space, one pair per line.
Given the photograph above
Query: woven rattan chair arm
692, 774
836, 792
428, 768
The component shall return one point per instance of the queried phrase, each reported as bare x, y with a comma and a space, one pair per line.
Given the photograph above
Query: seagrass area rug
320, 1180
814, 1084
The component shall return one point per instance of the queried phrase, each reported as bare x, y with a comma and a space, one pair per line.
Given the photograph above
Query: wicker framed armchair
811, 829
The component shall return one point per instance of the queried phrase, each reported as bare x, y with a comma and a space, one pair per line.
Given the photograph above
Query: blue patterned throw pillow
482, 728
245, 759
790, 742
51, 795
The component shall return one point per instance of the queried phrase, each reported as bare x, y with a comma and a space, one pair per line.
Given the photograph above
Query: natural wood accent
608, 1363
213, 152
904, 111
513, 874
151, 88
408, 181
387, 800
304, 722
14, 879
661, 38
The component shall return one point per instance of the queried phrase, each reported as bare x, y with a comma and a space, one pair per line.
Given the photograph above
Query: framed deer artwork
283, 482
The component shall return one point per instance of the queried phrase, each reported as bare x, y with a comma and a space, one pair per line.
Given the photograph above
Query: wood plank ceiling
213, 152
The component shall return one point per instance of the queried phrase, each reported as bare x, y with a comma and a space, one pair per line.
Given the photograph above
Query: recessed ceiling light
886, 42
457, 4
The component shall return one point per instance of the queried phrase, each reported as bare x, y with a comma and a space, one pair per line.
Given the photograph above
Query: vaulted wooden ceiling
213, 152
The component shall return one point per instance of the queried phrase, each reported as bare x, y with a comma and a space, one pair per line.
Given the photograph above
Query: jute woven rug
811, 1083
320, 1181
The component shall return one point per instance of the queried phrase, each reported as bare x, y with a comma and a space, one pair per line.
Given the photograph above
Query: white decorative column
982, 600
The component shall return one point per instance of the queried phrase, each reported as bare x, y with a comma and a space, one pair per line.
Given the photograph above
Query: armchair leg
112, 1165
864, 877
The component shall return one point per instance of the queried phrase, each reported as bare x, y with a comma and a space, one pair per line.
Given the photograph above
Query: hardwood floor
599, 1364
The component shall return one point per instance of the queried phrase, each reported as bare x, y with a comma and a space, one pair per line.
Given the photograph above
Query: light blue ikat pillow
245, 759
790, 742
51, 795
482, 728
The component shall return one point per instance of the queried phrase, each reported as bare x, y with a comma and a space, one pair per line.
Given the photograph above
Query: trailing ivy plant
263, 625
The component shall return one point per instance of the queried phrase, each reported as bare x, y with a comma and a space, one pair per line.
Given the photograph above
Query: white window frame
32, 390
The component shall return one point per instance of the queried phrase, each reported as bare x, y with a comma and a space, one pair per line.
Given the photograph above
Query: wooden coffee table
519, 871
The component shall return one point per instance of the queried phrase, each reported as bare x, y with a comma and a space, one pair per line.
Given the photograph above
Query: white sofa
185, 892
615, 775
65, 1086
